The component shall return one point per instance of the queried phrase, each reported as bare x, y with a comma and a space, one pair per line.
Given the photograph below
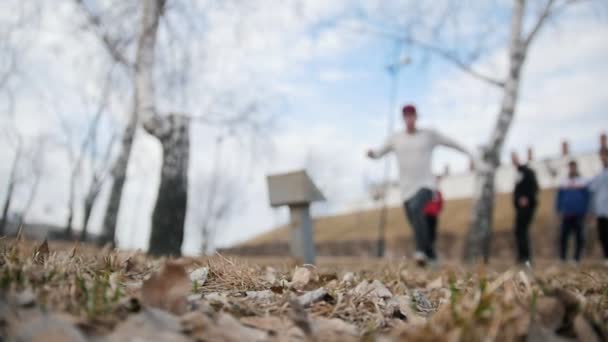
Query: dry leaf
149, 325
538, 333
41, 253
551, 312
348, 278
375, 289
167, 289
26, 298
334, 330
280, 329
435, 284
299, 317
47, 328
498, 282
301, 278
584, 330
223, 328
312, 297
199, 275
265, 295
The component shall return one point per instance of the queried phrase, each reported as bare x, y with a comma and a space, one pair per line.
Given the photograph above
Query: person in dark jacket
572, 203
524, 202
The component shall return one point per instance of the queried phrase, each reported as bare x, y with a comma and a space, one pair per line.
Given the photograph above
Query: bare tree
35, 162
215, 198
115, 47
520, 40
172, 130
82, 147
13, 181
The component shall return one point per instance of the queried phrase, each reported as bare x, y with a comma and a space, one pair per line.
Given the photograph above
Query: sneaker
420, 259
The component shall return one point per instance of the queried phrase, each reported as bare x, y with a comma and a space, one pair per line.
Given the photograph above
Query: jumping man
413, 149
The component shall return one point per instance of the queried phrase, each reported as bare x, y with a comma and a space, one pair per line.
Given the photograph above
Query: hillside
363, 225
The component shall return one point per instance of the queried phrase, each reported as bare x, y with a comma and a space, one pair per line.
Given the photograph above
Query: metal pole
302, 242
393, 71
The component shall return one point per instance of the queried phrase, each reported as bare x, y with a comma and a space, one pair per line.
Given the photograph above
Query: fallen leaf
167, 289
47, 328
26, 298
301, 278
584, 330
435, 284
374, 289
224, 327
404, 305
348, 278
551, 312
41, 252
149, 325
538, 333
498, 282
312, 297
299, 317
199, 275
280, 329
334, 330
265, 295
422, 303
270, 276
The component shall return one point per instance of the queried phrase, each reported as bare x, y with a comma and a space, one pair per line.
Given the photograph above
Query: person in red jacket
431, 214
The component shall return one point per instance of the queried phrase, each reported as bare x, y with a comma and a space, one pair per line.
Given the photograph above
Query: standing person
431, 214
413, 149
599, 189
525, 202
572, 202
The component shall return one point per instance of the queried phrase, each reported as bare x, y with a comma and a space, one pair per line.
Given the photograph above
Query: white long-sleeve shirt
599, 189
414, 155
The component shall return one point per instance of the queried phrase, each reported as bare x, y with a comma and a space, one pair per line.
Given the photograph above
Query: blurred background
277, 86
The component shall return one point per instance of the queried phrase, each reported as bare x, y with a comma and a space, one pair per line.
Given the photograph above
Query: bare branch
445, 54
457, 62
110, 44
546, 12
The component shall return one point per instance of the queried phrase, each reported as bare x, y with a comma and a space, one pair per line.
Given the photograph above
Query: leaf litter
78, 293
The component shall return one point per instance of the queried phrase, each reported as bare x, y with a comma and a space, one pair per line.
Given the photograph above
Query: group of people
422, 200
577, 199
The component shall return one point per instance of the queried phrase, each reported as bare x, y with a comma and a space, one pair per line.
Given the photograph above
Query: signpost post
297, 191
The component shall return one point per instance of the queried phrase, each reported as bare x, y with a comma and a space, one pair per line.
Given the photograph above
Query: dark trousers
523, 218
602, 228
572, 225
431, 222
414, 210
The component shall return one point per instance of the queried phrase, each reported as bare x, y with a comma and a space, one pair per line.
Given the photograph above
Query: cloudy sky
318, 73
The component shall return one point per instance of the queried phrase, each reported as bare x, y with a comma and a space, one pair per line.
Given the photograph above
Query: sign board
293, 188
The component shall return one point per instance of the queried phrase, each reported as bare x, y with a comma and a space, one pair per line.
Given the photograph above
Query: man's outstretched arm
382, 151
451, 143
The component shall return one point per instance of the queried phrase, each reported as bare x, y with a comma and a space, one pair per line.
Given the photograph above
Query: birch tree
115, 47
12, 182
170, 128
527, 19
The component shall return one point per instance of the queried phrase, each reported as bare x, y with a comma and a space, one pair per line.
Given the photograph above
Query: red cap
409, 109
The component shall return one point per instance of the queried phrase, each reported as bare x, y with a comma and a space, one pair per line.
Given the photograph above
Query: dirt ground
67, 292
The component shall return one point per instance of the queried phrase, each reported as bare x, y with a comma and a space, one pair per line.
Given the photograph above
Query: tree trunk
119, 175
9, 191
478, 238
89, 201
143, 108
168, 219
30, 199
6, 207
70, 222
